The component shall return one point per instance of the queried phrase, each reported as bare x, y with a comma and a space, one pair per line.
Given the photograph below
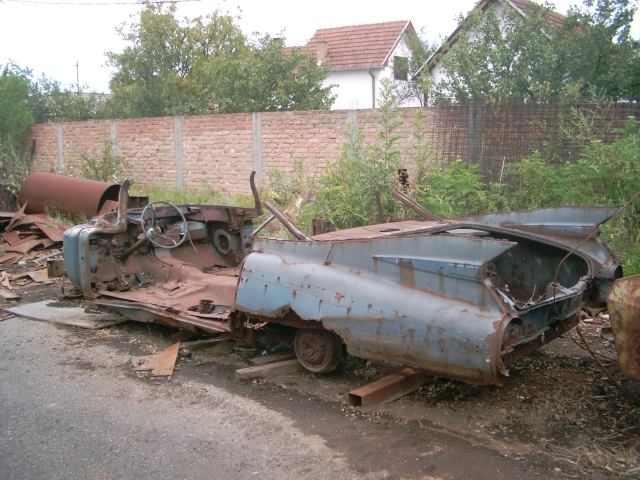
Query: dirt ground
556, 415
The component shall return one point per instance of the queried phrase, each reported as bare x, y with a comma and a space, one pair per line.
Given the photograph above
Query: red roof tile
359, 46
553, 18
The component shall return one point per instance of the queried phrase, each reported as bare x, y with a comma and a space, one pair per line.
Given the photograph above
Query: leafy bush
104, 167
346, 191
453, 190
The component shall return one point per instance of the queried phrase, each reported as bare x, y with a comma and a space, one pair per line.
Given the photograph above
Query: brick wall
221, 150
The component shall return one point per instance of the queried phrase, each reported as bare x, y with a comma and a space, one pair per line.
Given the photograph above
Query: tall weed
346, 191
105, 166
453, 190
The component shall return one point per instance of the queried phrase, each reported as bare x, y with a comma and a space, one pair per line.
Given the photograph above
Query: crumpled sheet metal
159, 365
448, 320
458, 298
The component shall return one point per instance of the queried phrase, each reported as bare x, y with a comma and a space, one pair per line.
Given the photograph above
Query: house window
400, 68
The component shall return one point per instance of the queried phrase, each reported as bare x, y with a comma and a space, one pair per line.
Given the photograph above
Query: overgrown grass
204, 195
64, 219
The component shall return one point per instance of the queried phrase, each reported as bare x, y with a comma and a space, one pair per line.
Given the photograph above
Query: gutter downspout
373, 88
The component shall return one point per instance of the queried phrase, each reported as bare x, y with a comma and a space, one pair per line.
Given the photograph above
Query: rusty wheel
318, 350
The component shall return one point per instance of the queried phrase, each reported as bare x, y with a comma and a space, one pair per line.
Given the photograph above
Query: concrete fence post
476, 136
257, 147
60, 147
352, 117
112, 135
177, 136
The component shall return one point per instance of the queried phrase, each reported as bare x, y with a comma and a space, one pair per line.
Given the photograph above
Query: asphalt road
70, 408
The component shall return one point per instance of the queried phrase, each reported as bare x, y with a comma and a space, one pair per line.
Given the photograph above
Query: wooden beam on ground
274, 357
278, 369
212, 345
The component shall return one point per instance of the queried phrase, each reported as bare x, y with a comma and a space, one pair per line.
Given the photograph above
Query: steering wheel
153, 231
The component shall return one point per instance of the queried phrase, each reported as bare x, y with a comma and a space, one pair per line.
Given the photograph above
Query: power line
100, 4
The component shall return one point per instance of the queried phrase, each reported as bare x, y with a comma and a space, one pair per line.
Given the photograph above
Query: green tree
105, 166
153, 73
499, 57
206, 65
15, 107
421, 49
508, 56
596, 50
264, 77
50, 102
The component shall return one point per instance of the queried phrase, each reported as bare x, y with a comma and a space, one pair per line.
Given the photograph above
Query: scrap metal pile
31, 237
459, 298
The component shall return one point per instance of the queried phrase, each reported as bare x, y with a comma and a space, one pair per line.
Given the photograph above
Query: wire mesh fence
492, 136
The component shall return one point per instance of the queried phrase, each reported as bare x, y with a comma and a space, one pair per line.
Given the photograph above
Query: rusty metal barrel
66, 195
623, 304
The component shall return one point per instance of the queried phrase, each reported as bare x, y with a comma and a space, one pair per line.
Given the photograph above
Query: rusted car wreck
459, 298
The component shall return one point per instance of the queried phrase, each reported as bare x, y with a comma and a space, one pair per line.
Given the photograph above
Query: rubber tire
318, 351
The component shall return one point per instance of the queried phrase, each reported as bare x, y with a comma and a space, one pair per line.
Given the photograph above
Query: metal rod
262, 225
292, 227
124, 255
415, 206
256, 195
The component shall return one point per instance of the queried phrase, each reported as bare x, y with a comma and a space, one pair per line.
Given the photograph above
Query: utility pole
78, 76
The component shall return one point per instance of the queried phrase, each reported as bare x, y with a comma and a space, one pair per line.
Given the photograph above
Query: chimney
277, 41
321, 49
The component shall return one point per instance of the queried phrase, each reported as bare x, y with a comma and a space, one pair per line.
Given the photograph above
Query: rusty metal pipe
292, 227
67, 195
256, 195
120, 225
415, 206
141, 241
263, 224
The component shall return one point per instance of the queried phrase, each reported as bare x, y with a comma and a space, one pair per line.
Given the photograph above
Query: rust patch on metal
388, 389
624, 307
67, 195
159, 365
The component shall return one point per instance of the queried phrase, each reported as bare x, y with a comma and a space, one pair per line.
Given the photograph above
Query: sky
51, 36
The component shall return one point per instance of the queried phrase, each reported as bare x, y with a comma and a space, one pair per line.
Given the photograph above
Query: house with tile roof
434, 66
360, 57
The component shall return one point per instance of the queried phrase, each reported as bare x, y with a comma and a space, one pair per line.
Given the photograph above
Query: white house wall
353, 87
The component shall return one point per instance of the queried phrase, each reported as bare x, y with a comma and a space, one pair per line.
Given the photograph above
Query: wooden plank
277, 369
40, 276
274, 357
212, 345
9, 295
